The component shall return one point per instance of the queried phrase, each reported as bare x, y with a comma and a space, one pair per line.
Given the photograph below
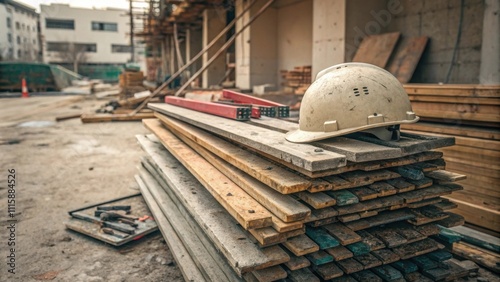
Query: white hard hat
352, 97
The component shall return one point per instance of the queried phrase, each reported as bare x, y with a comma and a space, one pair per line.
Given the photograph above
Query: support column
329, 24
489, 72
214, 20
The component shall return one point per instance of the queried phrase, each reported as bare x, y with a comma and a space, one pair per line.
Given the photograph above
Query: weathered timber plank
241, 253
445, 176
339, 253
478, 238
349, 265
188, 268
91, 118
301, 245
302, 275
268, 236
345, 235
283, 206
373, 242
401, 184
296, 262
358, 248
377, 49
260, 139
247, 211
319, 258
343, 197
382, 218
387, 273
406, 56
368, 260
405, 266
322, 238
390, 238
191, 240
477, 255
416, 249
386, 256
364, 193
317, 200
354, 150
366, 276
328, 271
270, 274
278, 178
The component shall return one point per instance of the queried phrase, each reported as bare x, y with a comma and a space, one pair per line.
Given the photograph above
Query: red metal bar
255, 110
227, 111
281, 110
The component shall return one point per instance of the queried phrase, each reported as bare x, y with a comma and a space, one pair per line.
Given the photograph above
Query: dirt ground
61, 166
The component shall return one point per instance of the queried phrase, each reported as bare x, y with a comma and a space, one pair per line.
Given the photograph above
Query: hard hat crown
348, 98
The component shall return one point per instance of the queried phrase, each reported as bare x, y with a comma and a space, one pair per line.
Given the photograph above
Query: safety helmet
352, 97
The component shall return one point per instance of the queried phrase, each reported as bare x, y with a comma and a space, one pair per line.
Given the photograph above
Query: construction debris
297, 80
349, 207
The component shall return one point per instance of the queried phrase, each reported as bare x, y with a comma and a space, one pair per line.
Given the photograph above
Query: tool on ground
110, 231
353, 97
114, 208
144, 218
114, 225
111, 214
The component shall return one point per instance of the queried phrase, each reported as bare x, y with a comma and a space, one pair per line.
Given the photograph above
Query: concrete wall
295, 35
439, 20
83, 32
328, 34
214, 20
364, 18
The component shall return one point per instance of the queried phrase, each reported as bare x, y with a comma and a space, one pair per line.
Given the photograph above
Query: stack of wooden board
297, 80
470, 113
245, 203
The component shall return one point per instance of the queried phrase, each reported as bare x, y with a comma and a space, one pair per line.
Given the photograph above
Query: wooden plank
202, 257
339, 253
373, 242
422, 183
445, 205
478, 238
343, 197
380, 219
328, 271
188, 268
407, 232
92, 118
430, 192
343, 234
276, 177
283, 206
427, 229
296, 262
355, 151
478, 215
273, 143
461, 131
390, 238
383, 188
358, 248
241, 253
416, 249
247, 211
401, 185
409, 172
426, 215
480, 256
270, 274
366, 276
456, 271
387, 273
405, 266
322, 238
301, 245
368, 260
319, 258
364, 193
386, 256
316, 200
368, 177
302, 275
344, 278
376, 49
268, 236
445, 176
439, 255
406, 57
424, 262
320, 214
349, 265
461, 90
452, 220
417, 277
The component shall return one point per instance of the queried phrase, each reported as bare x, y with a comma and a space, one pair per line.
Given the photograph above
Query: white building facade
90, 36
19, 32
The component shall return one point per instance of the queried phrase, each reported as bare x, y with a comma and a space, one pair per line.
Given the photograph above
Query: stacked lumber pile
235, 201
471, 114
131, 82
297, 80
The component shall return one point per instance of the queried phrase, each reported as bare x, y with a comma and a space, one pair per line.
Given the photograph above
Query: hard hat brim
301, 136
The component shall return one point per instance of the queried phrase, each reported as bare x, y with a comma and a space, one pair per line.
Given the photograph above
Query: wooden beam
92, 118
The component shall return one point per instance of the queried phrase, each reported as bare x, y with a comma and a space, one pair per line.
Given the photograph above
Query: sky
122, 4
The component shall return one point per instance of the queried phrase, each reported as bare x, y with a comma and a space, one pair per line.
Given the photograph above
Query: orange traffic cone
24, 89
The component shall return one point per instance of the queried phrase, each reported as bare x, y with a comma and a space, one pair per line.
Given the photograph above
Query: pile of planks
471, 114
235, 201
297, 80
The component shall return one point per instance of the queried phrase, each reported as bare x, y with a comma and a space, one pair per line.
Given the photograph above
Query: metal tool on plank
114, 225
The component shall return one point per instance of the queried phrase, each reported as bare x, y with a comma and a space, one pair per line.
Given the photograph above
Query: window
9, 37
18, 26
60, 24
9, 22
19, 54
23, 26
76, 47
18, 40
115, 48
87, 47
104, 26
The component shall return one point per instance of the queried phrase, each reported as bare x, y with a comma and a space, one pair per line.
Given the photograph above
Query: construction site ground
65, 165
61, 166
